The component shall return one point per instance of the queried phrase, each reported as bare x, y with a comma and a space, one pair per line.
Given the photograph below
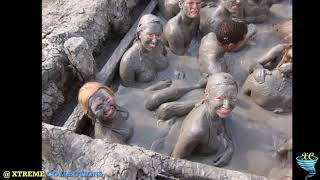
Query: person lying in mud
248, 11
203, 129
110, 120
229, 36
179, 30
147, 55
272, 90
170, 8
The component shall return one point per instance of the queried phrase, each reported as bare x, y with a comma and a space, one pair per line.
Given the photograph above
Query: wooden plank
105, 76
107, 72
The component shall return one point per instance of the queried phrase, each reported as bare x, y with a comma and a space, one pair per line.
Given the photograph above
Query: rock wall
64, 150
94, 20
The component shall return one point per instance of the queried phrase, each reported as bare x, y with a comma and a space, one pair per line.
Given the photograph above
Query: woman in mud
179, 30
272, 90
147, 55
229, 36
203, 130
109, 119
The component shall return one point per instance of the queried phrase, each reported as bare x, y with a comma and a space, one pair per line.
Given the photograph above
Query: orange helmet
86, 91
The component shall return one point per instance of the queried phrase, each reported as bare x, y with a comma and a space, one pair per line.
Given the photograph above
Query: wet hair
147, 20
230, 31
220, 79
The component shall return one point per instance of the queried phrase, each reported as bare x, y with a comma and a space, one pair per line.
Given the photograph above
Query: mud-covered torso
119, 131
183, 32
211, 55
145, 64
275, 92
198, 124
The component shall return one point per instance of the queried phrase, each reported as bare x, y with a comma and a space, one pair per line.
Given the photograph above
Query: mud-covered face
191, 8
232, 6
151, 36
222, 99
102, 105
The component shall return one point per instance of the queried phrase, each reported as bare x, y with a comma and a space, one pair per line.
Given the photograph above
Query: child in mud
248, 11
110, 120
272, 90
203, 129
229, 36
179, 30
146, 56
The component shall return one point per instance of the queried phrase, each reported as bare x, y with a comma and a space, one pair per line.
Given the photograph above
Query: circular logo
6, 174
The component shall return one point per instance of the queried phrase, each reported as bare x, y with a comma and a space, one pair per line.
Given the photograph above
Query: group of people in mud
228, 27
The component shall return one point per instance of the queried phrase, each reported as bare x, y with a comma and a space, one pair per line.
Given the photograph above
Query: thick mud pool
254, 131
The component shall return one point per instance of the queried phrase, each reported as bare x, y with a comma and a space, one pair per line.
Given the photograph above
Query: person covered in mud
229, 36
203, 130
179, 30
147, 55
269, 86
170, 8
110, 120
248, 11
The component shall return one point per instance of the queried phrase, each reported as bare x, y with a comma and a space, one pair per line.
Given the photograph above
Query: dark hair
230, 31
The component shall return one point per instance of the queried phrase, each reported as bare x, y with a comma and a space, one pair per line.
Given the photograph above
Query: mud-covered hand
260, 73
252, 30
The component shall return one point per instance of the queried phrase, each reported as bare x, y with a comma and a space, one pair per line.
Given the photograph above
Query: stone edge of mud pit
64, 150
61, 20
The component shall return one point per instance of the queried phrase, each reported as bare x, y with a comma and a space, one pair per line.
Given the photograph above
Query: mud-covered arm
127, 71
252, 30
272, 54
185, 145
246, 87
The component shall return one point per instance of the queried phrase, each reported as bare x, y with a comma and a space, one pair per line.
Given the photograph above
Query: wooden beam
105, 76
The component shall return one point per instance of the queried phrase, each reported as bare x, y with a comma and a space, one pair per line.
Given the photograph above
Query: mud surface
252, 128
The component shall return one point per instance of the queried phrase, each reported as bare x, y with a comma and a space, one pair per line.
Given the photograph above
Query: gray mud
252, 128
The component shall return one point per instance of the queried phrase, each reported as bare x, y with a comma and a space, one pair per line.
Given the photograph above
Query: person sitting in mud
272, 90
248, 11
179, 30
230, 35
110, 120
147, 55
170, 8
203, 129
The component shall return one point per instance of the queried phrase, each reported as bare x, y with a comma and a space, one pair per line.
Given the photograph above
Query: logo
307, 162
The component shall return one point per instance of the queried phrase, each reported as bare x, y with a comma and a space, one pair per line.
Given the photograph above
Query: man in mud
229, 36
248, 11
203, 130
179, 30
170, 8
270, 86
110, 120
147, 55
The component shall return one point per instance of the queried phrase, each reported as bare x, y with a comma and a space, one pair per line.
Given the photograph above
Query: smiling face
191, 8
151, 36
222, 100
102, 105
233, 6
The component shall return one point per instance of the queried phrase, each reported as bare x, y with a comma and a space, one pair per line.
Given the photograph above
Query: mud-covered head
285, 65
231, 33
221, 94
97, 101
190, 8
149, 31
233, 6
